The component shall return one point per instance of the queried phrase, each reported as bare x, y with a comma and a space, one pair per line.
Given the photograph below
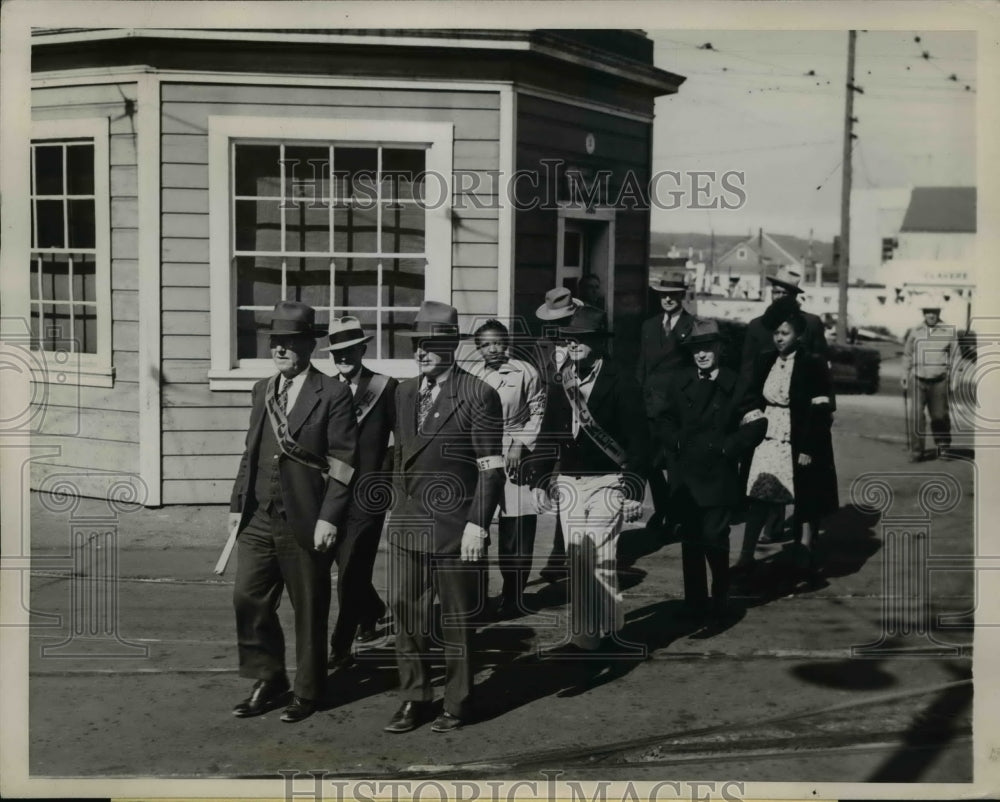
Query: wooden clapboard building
183, 181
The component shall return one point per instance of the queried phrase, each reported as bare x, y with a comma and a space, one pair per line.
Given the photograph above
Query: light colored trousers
590, 511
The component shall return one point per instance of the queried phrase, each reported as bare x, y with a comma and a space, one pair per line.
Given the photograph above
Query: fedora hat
669, 282
787, 277
345, 332
586, 320
294, 317
434, 319
929, 302
559, 303
703, 330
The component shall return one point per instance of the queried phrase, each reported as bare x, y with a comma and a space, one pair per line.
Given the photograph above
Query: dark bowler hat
559, 303
345, 332
586, 320
671, 282
434, 319
294, 317
703, 330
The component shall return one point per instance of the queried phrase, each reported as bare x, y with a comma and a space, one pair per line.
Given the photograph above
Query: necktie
704, 374
283, 395
426, 400
667, 324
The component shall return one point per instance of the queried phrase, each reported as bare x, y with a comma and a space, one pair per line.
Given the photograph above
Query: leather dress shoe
553, 573
265, 696
446, 722
367, 633
298, 710
408, 717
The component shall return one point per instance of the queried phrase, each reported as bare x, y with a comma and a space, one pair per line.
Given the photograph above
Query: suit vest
267, 487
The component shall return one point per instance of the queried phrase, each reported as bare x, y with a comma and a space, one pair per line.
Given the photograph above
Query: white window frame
80, 369
226, 373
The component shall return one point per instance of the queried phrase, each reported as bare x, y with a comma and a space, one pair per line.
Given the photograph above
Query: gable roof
941, 210
770, 249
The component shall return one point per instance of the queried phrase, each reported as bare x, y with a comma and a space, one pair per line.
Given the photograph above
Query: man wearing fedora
358, 603
595, 425
930, 351
660, 353
709, 421
290, 494
559, 305
448, 481
759, 340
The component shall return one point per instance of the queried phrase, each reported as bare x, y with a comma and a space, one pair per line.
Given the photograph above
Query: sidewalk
776, 696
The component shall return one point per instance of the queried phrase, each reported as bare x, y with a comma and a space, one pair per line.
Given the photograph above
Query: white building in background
876, 215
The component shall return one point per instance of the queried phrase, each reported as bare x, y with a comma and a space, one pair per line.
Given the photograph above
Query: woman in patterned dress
522, 397
794, 464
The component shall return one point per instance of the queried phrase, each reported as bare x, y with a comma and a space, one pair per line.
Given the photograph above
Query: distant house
940, 223
936, 241
741, 266
876, 218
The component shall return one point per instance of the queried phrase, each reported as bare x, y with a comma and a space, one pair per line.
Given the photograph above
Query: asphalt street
833, 683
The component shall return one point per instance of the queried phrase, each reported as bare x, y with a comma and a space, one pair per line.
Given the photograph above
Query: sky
748, 105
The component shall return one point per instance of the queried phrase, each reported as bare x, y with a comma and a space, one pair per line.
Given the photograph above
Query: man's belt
331, 467
603, 440
932, 380
372, 394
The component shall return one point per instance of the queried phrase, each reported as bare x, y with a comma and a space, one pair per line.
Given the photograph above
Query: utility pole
845, 195
760, 259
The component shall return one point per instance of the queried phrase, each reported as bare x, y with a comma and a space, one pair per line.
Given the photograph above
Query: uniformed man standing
929, 353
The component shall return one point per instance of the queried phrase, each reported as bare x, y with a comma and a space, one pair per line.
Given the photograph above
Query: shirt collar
713, 374
296, 381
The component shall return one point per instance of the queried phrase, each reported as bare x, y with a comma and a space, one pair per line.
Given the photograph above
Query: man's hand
631, 510
543, 499
512, 463
804, 460
323, 535
234, 521
473, 543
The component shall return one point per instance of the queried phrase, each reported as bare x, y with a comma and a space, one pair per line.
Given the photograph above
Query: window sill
75, 376
243, 378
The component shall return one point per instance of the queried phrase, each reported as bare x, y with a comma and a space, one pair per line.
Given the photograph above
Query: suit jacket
810, 400
616, 406
370, 490
321, 421
759, 340
659, 355
437, 481
704, 439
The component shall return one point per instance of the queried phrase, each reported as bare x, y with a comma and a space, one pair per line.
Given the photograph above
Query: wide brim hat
703, 330
294, 317
345, 332
929, 302
586, 320
434, 320
559, 304
788, 278
669, 282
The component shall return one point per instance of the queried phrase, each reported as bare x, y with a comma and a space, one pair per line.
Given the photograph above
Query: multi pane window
340, 227
63, 246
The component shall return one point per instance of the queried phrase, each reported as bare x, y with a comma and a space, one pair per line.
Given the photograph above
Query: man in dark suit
358, 603
594, 424
449, 478
661, 352
287, 502
759, 340
708, 423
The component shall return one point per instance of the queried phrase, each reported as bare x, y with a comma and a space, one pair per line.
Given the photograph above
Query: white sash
372, 394
603, 440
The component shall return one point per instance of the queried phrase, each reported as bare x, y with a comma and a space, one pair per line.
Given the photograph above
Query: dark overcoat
659, 355
809, 401
704, 437
322, 422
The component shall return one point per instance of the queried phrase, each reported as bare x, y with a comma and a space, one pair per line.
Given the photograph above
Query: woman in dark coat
794, 463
